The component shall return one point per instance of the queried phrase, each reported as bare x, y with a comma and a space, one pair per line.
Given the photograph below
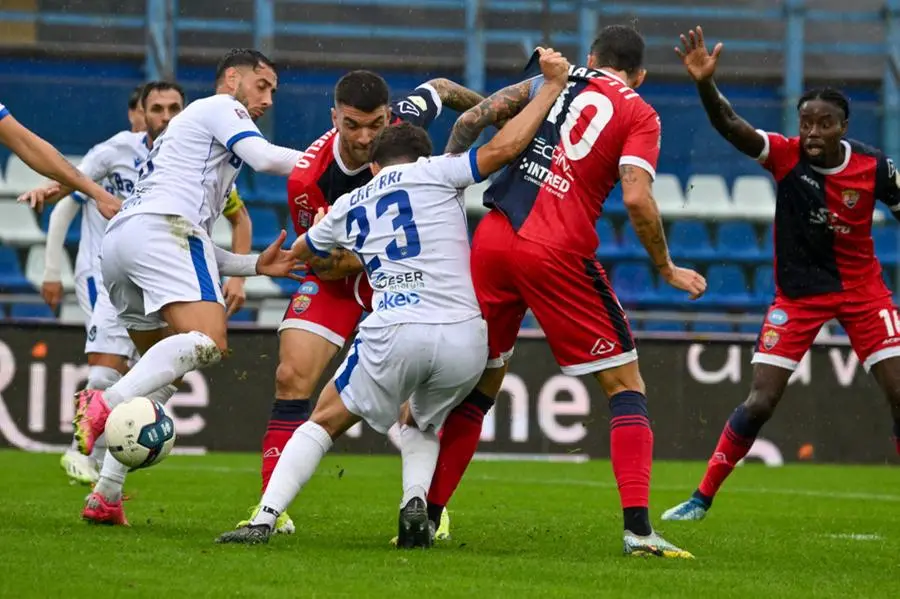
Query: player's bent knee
626, 377
207, 351
292, 383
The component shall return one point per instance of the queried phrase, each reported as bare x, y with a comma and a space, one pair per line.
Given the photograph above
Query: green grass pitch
519, 530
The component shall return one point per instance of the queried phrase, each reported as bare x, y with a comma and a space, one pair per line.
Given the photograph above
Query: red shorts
569, 295
866, 312
330, 309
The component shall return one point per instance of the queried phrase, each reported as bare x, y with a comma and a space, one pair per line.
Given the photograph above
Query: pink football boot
97, 510
91, 412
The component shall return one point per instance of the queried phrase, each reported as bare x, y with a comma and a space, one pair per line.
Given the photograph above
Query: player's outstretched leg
163, 364
81, 468
887, 374
299, 461
735, 441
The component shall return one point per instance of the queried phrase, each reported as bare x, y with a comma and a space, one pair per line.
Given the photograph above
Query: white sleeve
229, 122
332, 231
235, 265
455, 170
60, 220
265, 157
95, 164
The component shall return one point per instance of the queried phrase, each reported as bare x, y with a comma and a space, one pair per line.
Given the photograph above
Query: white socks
298, 462
113, 472
419, 451
168, 360
102, 377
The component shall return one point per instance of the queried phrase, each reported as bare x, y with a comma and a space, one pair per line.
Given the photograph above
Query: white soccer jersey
114, 164
408, 227
191, 167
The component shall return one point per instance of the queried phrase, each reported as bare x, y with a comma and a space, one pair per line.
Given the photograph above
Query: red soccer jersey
554, 192
320, 176
823, 217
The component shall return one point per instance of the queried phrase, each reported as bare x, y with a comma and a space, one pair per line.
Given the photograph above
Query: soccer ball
139, 433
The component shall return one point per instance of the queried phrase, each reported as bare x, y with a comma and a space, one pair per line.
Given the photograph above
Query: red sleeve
780, 154
304, 200
641, 147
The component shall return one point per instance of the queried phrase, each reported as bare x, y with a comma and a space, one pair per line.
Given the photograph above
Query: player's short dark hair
831, 95
619, 47
160, 86
135, 98
242, 57
403, 142
362, 90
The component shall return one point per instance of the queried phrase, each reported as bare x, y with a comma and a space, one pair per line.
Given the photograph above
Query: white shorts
106, 335
150, 261
434, 366
86, 294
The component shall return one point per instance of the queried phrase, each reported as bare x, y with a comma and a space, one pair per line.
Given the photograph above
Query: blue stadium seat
73, 235
630, 245
614, 204
751, 327
737, 241
243, 315
288, 286
266, 226
663, 326
837, 329
12, 280
764, 285
768, 245
30, 312
726, 287
690, 239
712, 327
530, 322
886, 240
634, 283
291, 236
609, 240
269, 189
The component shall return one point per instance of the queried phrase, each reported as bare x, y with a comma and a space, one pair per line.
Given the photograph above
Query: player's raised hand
698, 61
686, 280
276, 262
37, 197
554, 65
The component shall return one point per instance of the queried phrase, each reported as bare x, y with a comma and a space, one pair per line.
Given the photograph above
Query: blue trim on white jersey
343, 377
79, 198
473, 162
239, 136
4, 112
198, 257
92, 291
314, 249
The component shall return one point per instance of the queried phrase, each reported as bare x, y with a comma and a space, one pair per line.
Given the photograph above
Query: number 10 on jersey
358, 218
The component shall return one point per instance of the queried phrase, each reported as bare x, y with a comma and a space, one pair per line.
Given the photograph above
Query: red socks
736, 440
459, 440
631, 447
287, 415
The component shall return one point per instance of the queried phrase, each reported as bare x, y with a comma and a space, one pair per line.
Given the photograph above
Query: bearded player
329, 303
825, 264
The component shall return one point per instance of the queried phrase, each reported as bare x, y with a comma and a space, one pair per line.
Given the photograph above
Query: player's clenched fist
554, 65
685, 279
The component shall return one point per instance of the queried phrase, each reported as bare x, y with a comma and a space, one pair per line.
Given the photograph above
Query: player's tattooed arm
455, 96
496, 110
644, 214
340, 264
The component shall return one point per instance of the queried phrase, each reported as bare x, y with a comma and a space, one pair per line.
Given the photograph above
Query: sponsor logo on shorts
602, 347
309, 288
389, 301
770, 339
92, 333
300, 303
850, 197
405, 282
777, 317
